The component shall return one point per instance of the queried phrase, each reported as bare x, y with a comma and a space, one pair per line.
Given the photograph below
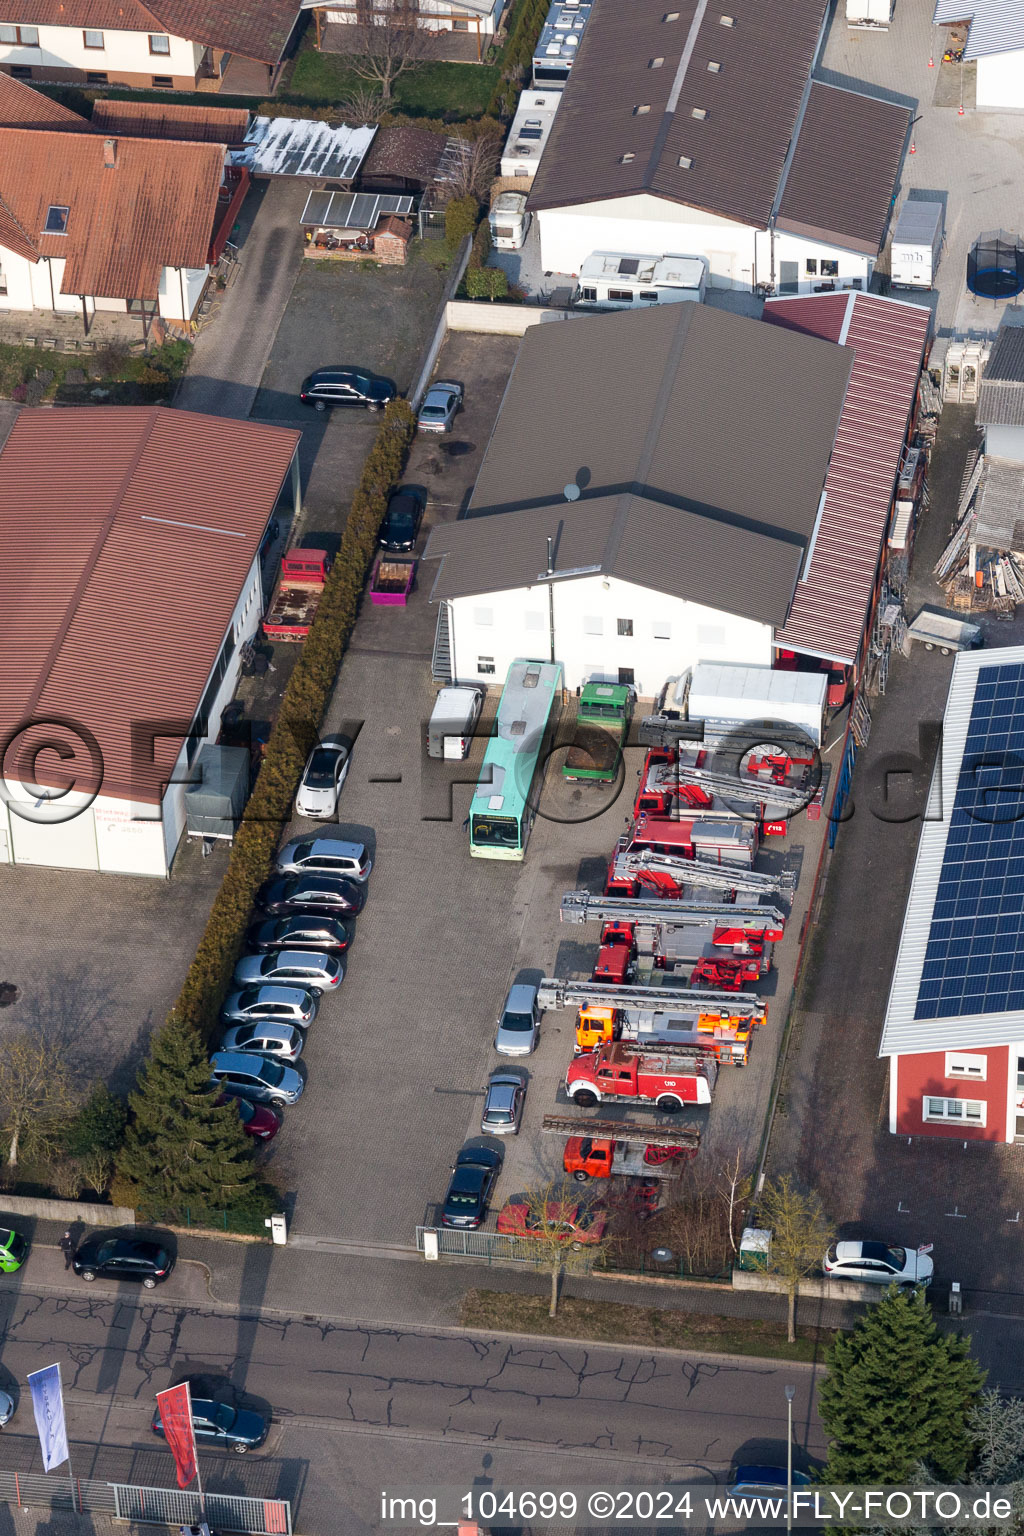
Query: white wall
643, 225
504, 625
435, 16
173, 280
796, 248
1001, 80
122, 52
28, 287
1005, 443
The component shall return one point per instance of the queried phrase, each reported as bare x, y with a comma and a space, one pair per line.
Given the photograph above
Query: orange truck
662, 1075
603, 1149
725, 1035
297, 595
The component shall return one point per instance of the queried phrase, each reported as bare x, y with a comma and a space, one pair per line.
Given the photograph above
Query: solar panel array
974, 961
353, 210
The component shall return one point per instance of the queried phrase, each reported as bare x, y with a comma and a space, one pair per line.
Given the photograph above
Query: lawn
608, 1322
112, 375
434, 90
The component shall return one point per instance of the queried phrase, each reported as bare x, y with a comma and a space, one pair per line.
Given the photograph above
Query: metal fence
487, 1246
147, 1506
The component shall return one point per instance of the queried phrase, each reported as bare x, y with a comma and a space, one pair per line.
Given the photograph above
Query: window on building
96, 77
955, 1111
829, 268
621, 295
56, 220
959, 1064
624, 626
710, 634
642, 110
92, 39
483, 616
159, 42
656, 63
648, 296
21, 71
661, 631
593, 625
460, 24
534, 620
28, 37
485, 665
589, 295
163, 82
811, 266
201, 724
626, 678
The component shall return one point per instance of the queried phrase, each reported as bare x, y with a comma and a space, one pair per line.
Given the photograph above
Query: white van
454, 716
611, 280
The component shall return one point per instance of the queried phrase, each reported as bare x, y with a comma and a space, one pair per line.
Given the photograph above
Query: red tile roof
887, 337
126, 536
22, 107
257, 29
171, 120
156, 208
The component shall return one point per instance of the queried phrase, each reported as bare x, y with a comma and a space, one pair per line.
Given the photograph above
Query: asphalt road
357, 1409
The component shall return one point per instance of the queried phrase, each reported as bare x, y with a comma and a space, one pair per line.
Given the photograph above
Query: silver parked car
256, 1078
307, 968
324, 856
285, 1005
519, 1023
282, 1042
441, 404
504, 1099
325, 772
879, 1263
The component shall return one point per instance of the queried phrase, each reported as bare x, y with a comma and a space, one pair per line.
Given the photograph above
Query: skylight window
714, 67
639, 111
727, 21
700, 113
56, 220
685, 162
627, 157
671, 16
656, 63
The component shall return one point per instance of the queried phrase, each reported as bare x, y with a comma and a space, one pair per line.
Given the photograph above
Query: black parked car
469, 1188
123, 1258
236, 1429
329, 895
346, 387
306, 931
402, 521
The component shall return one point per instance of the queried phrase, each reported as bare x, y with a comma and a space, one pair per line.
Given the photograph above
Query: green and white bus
505, 800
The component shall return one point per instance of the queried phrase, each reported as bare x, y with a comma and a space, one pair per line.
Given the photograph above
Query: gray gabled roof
1001, 393
997, 26
700, 441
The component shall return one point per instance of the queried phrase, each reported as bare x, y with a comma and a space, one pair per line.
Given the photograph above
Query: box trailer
612, 280
216, 798
916, 243
722, 693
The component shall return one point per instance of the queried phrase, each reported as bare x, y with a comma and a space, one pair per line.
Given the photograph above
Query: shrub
481, 245
460, 218
98, 1126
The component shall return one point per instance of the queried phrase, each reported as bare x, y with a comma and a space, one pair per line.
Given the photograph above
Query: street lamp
790, 1394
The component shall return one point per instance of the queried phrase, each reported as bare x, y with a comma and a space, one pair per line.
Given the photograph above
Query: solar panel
974, 959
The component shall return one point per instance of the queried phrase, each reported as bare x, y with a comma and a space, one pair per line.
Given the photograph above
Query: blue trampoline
995, 265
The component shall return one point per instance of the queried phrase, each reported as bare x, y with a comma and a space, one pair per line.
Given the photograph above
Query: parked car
576, 1225
325, 772
218, 1424
473, 1175
354, 387
879, 1263
519, 1023
325, 856
256, 1077
6, 1408
324, 894
258, 1120
282, 1042
402, 521
288, 1005
504, 1099
332, 935
307, 968
767, 1482
441, 404
13, 1251
122, 1258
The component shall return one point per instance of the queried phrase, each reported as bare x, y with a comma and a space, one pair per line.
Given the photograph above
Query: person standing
67, 1248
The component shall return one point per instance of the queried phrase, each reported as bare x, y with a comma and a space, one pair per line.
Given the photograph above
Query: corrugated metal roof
997, 26
298, 146
155, 208
1001, 394
399, 150
887, 338
748, 78
699, 477
352, 210
22, 107
840, 182
999, 506
903, 1032
127, 535
257, 29
171, 120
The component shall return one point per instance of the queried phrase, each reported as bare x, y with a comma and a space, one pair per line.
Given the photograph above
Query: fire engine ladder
752, 882
582, 907
668, 732
556, 992
615, 1130
753, 789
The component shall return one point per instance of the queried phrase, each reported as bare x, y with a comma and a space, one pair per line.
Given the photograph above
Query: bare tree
471, 171
363, 104
735, 1186
560, 1223
800, 1236
392, 45
36, 1097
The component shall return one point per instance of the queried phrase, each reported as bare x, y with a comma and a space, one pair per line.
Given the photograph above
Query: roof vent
714, 67
627, 157
639, 111
700, 113
109, 154
655, 63
727, 21
518, 727
686, 162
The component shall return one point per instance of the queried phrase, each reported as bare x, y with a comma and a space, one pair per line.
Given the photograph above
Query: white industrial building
129, 583
696, 132
995, 42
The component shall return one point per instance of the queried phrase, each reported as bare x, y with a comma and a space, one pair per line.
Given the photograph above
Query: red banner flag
175, 1409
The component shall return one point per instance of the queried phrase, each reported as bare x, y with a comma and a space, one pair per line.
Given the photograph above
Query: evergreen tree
182, 1149
898, 1395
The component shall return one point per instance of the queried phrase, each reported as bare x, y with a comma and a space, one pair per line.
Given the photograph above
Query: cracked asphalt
357, 1408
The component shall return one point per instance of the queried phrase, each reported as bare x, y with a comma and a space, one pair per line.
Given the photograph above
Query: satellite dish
571, 492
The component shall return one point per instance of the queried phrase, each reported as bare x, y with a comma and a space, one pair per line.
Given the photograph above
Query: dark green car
13, 1251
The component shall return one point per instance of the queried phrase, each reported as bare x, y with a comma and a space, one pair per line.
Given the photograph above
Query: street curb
650, 1349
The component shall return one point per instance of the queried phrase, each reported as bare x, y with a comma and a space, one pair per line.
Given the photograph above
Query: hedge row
471, 128
297, 727
518, 56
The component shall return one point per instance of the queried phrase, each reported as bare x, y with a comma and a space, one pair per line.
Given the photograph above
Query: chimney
110, 154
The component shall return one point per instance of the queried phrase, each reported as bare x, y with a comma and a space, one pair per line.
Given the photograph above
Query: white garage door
69, 845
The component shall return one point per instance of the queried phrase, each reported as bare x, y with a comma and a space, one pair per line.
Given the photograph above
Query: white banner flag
48, 1407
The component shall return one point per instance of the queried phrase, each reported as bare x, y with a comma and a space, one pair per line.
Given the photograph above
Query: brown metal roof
751, 101
700, 476
154, 208
127, 535
171, 120
257, 29
22, 107
844, 169
413, 153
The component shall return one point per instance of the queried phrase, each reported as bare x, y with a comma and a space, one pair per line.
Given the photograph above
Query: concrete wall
68, 1211
1005, 443
499, 319
816, 1287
